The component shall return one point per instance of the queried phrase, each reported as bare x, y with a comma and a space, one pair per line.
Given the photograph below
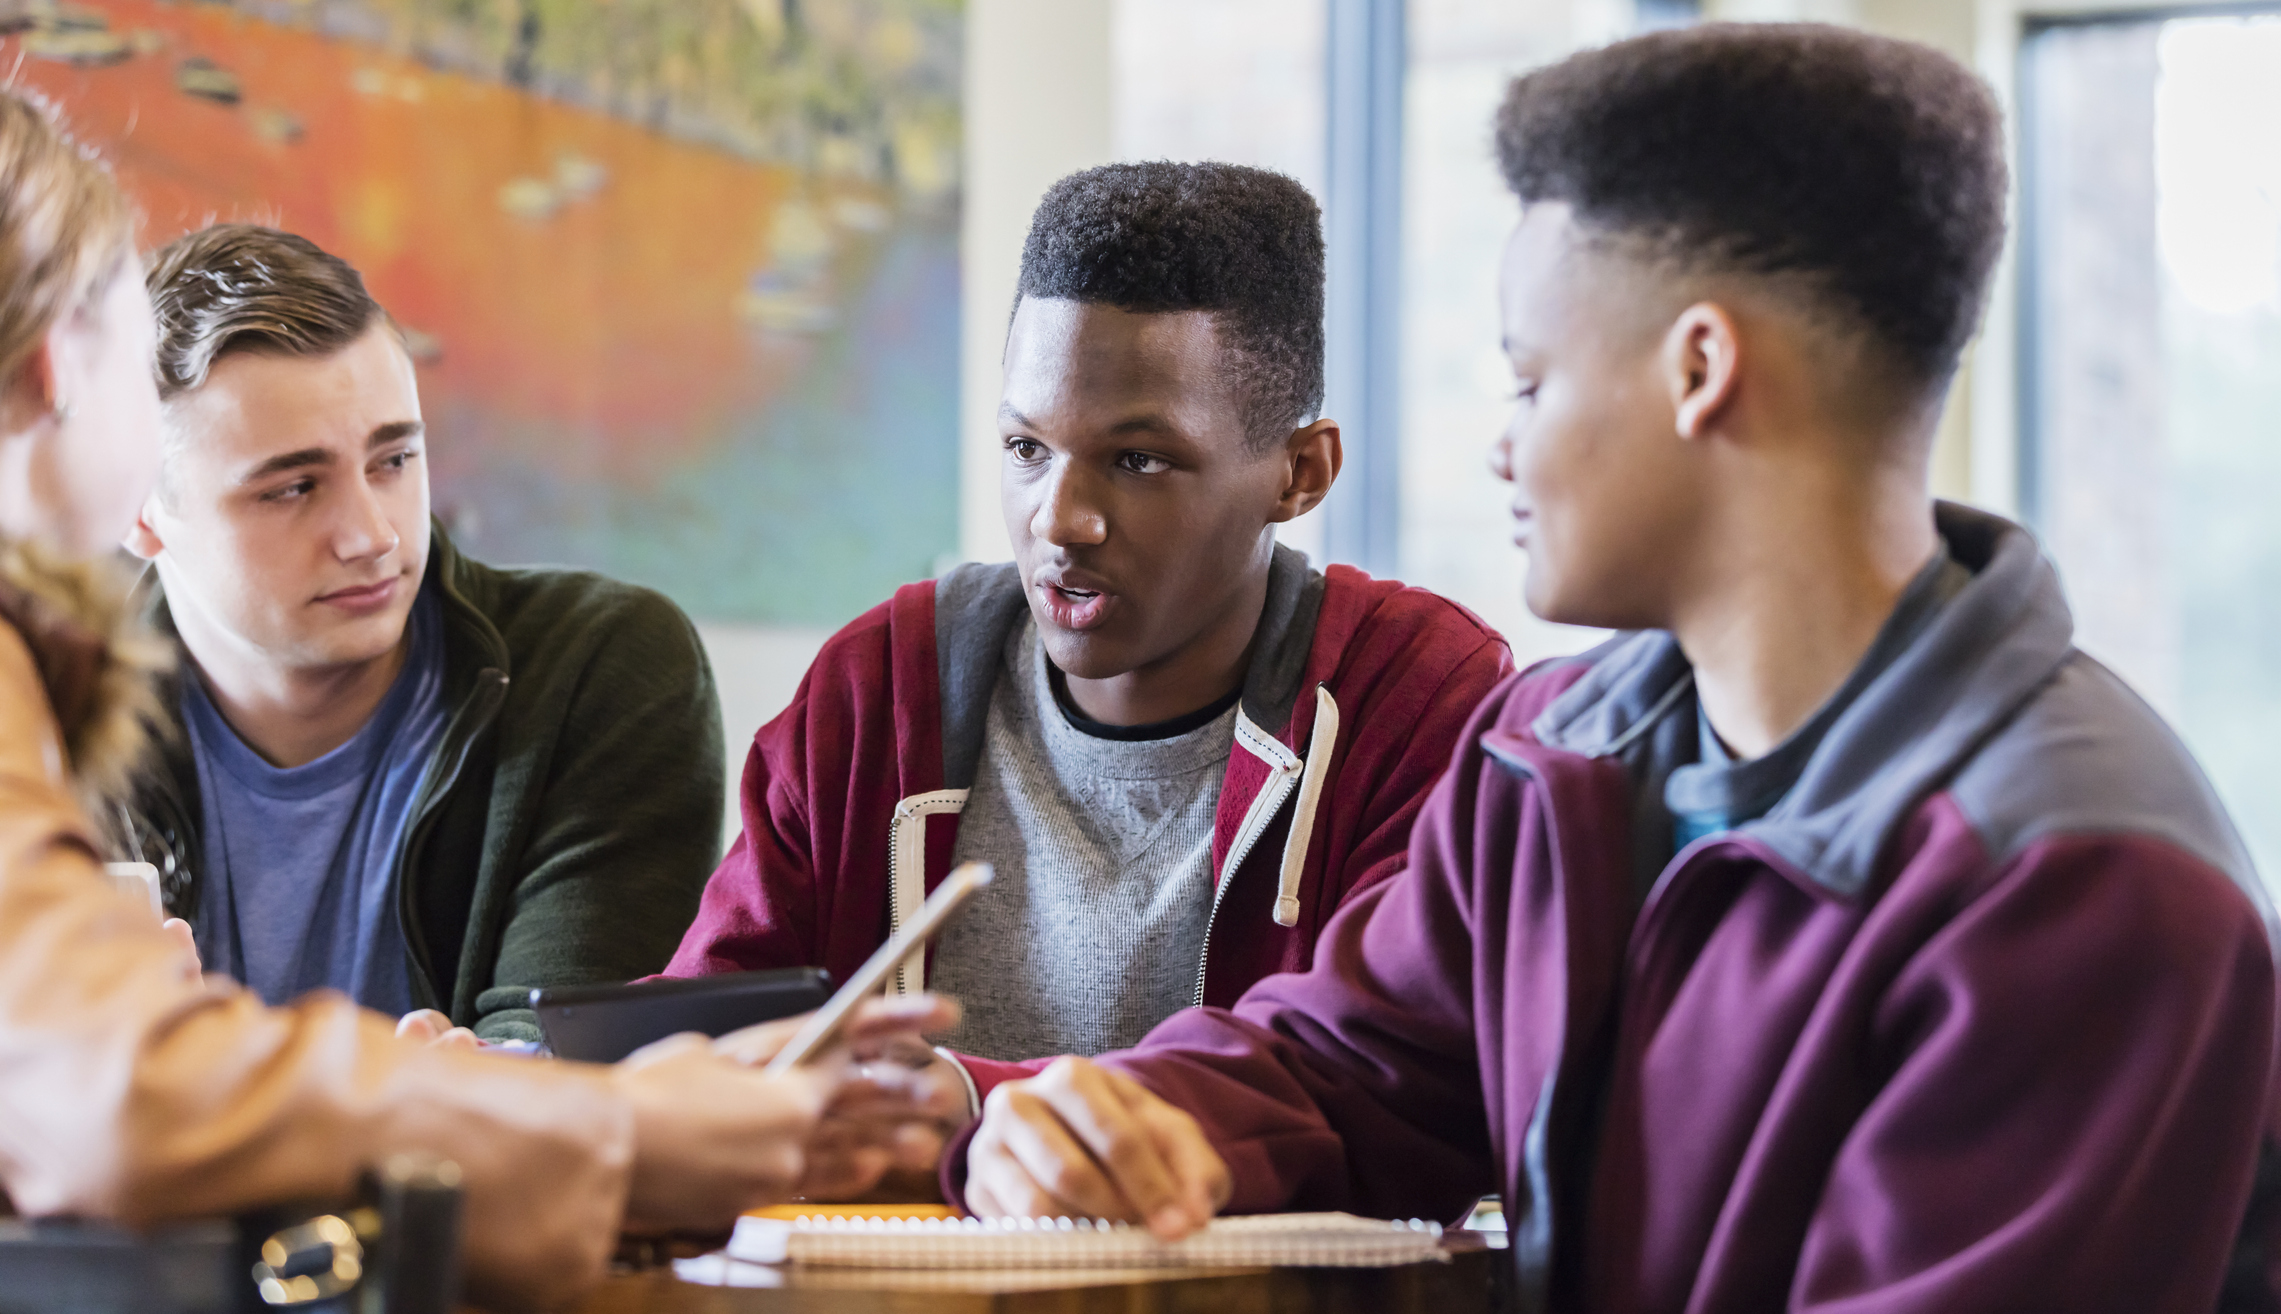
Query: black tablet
604, 1023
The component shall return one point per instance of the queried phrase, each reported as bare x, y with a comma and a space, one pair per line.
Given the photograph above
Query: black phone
604, 1023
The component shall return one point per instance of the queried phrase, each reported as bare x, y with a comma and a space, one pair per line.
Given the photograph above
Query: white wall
1038, 96
757, 667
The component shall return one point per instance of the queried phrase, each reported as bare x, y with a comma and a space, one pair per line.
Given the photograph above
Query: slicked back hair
1867, 170
1244, 245
242, 287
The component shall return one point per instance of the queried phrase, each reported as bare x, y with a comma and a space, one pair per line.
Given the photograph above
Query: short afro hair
1245, 245
1869, 170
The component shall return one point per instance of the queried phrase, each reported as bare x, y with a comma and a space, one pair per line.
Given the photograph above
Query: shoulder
971, 592
894, 632
1376, 628
539, 609
1514, 706
2086, 757
1367, 606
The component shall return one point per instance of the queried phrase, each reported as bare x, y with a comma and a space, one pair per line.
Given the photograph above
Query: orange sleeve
131, 1090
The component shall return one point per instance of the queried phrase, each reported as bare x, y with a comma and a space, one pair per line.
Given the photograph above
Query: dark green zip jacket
566, 826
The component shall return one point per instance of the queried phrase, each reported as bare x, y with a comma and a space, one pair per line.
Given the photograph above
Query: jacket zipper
1532, 1233
161, 829
473, 718
1283, 782
1204, 959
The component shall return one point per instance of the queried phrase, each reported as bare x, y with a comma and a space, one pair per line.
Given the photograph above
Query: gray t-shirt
300, 888
1094, 929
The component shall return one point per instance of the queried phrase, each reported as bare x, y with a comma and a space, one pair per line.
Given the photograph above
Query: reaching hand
433, 1027
1083, 1141
180, 930
899, 1105
713, 1136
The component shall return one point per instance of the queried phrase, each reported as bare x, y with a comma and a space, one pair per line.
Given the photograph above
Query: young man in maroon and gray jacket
1839, 938
1183, 748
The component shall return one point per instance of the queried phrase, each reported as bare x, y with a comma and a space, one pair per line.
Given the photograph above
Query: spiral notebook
1265, 1241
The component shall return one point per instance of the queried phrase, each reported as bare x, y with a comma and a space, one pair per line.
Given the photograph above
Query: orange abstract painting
681, 275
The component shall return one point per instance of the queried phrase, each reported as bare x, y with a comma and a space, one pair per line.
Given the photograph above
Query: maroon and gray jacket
1980, 1017
1358, 691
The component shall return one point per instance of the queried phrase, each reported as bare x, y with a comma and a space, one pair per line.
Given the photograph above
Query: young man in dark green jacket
399, 773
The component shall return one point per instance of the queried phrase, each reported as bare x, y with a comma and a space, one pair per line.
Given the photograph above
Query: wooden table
1471, 1283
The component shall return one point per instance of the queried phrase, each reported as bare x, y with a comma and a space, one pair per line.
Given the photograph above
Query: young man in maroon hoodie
1841, 937
1183, 748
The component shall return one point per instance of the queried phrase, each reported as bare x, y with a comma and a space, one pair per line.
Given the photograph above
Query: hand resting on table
1082, 1141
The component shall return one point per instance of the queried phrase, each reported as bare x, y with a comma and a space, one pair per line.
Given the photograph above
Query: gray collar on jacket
1982, 658
977, 605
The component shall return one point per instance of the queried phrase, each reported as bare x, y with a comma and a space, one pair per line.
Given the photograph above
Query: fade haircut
245, 288
1244, 245
1866, 171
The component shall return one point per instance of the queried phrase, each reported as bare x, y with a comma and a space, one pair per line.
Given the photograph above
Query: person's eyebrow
1148, 423
1009, 415
395, 431
307, 456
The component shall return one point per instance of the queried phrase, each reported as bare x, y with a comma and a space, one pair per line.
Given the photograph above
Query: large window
1245, 80
2151, 371
1457, 389
1234, 80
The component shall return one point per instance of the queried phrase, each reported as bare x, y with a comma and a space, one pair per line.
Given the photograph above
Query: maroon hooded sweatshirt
1357, 693
1980, 1017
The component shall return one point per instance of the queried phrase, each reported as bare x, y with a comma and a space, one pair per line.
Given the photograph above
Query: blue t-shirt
299, 888
1717, 793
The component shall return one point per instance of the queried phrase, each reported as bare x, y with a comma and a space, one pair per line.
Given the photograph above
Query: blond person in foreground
133, 1089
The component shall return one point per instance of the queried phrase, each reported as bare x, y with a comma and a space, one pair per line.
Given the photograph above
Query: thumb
180, 930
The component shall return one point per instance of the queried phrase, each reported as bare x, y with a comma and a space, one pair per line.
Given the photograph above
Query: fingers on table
1201, 1175
1113, 1117
1081, 1140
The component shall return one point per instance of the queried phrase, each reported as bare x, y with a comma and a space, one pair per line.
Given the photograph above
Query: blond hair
65, 228
66, 231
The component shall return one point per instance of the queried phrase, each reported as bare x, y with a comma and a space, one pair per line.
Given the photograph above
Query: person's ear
142, 539
34, 391
1702, 359
1313, 456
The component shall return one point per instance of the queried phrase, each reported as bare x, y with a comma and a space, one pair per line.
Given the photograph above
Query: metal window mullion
1368, 58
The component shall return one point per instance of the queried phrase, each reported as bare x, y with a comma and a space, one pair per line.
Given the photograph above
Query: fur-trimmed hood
99, 663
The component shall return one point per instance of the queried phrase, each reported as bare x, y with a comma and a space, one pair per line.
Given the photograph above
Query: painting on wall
681, 276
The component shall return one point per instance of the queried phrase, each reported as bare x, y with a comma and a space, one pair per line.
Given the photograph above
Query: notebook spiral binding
1277, 1240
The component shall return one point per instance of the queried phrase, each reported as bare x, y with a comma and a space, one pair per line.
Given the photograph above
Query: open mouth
1072, 608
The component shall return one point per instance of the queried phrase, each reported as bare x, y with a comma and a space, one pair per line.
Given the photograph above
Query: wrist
966, 1082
